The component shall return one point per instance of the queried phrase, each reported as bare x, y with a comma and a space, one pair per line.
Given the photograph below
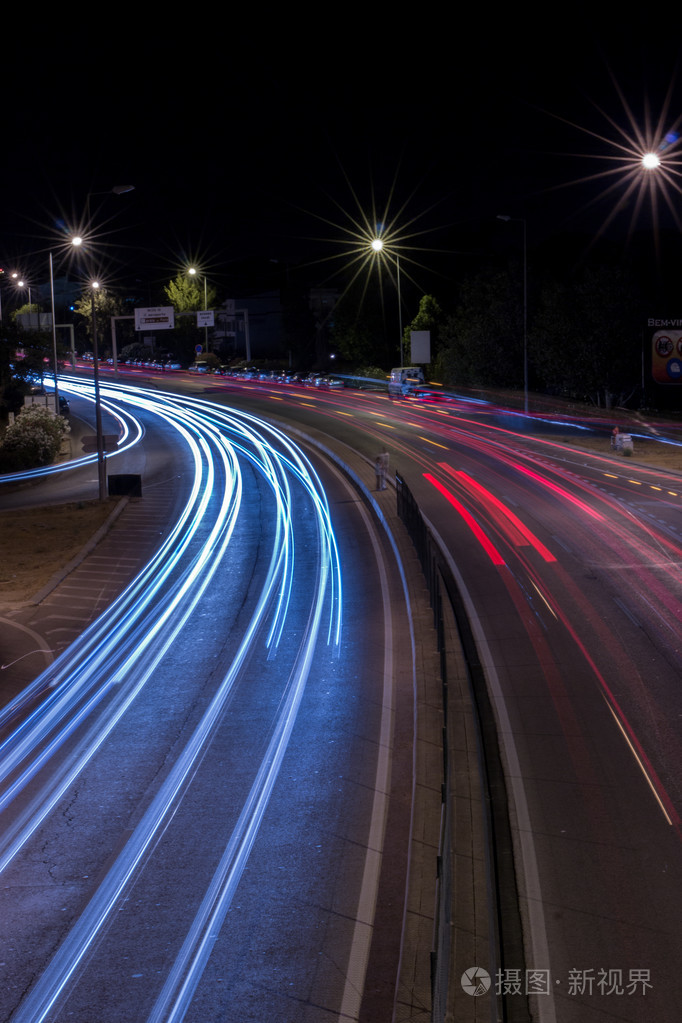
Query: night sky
260, 141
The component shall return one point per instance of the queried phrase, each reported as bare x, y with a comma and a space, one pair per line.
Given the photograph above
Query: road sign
205, 318
155, 317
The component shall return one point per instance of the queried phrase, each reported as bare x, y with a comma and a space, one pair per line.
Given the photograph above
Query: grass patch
37, 542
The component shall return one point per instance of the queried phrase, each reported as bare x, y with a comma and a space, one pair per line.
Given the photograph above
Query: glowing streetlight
20, 283
650, 161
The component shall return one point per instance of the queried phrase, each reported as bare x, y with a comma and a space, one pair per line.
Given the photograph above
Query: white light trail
97, 681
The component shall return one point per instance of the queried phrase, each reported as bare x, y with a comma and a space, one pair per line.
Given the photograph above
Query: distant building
260, 326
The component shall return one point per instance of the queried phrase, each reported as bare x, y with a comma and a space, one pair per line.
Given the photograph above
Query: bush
34, 439
373, 372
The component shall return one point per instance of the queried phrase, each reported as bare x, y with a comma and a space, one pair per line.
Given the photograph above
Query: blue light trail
123, 658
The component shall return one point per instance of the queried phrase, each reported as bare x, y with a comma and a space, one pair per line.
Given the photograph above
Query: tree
482, 341
186, 294
352, 338
429, 317
29, 308
25, 354
586, 338
106, 305
359, 333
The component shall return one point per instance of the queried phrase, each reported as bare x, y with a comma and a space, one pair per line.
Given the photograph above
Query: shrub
371, 371
34, 439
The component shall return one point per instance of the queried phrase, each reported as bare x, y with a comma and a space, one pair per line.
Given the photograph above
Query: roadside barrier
505, 940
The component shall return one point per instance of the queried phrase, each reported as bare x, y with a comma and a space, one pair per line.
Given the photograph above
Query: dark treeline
583, 311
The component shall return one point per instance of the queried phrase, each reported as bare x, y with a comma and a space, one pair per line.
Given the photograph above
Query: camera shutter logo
475, 981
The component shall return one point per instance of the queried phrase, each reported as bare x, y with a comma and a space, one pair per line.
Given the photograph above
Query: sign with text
205, 318
155, 318
666, 356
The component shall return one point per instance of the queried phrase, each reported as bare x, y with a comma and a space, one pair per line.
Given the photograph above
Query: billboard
420, 346
666, 354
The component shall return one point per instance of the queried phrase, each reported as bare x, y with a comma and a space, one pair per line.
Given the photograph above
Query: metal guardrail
506, 940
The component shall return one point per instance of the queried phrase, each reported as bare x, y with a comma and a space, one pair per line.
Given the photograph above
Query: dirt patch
38, 542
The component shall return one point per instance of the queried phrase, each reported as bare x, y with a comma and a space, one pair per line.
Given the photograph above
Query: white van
404, 379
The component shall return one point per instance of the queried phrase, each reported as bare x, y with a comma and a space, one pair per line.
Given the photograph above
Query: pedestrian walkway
36, 632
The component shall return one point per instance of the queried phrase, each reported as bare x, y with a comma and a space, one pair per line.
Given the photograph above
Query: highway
260, 646
570, 564
201, 759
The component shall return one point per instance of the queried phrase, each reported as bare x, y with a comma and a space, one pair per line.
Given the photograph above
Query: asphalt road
196, 798
569, 566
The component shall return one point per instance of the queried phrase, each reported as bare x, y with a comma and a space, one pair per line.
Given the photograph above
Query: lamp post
521, 220
77, 241
378, 245
54, 340
101, 470
192, 271
23, 284
116, 190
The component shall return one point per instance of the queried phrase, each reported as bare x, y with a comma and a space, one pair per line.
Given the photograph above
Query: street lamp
116, 190
23, 284
54, 340
77, 241
520, 220
192, 271
101, 470
377, 245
